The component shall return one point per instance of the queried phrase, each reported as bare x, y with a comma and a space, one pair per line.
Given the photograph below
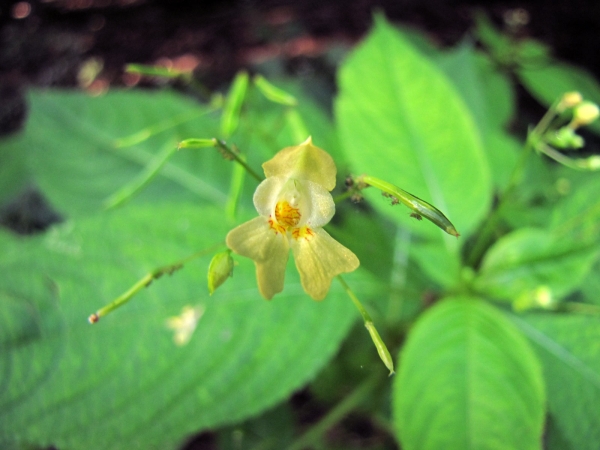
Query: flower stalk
145, 281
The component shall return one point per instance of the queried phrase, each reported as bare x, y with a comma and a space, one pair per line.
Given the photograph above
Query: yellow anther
286, 215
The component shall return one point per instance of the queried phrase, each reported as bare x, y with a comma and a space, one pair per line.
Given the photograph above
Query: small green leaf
468, 380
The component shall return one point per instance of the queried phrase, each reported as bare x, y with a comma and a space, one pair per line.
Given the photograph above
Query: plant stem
223, 147
350, 402
533, 140
145, 281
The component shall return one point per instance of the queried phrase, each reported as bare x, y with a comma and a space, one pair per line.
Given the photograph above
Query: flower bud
564, 138
584, 114
569, 100
219, 269
590, 163
539, 298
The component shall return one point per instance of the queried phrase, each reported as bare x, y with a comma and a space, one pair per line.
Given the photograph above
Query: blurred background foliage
495, 335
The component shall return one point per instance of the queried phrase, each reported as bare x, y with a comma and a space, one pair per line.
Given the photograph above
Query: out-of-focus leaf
548, 82
82, 149
13, 168
123, 383
528, 258
489, 95
468, 380
578, 215
569, 349
401, 120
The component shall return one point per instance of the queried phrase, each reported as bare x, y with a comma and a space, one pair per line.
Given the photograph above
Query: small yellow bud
591, 163
219, 269
539, 298
569, 100
584, 114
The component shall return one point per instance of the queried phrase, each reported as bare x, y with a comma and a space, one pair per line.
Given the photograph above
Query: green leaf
401, 120
578, 215
569, 349
13, 169
529, 258
468, 380
82, 149
548, 82
123, 383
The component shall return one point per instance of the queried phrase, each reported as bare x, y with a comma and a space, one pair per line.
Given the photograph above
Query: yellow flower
294, 204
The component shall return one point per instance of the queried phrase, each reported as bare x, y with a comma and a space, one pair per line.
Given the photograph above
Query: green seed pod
273, 93
219, 269
419, 207
382, 350
233, 104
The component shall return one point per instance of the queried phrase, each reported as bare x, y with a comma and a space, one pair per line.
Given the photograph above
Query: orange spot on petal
303, 233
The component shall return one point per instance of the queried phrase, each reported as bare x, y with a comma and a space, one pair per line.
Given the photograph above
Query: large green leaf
468, 380
529, 258
400, 119
72, 143
569, 348
123, 383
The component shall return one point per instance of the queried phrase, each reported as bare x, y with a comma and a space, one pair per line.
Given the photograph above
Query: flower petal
269, 250
319, 258
303, 162
266, 195
320, 206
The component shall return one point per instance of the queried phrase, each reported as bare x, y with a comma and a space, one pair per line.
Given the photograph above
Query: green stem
146, 133
125, 194
223, 147
533, 139
484, 237
343, 196
350, 402
581, 308
145, 281
361, 309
